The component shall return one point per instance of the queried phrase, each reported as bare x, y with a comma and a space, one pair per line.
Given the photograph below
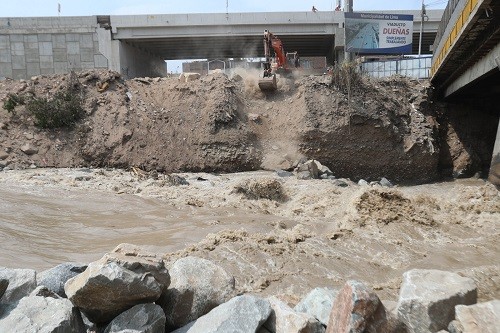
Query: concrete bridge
137, 45
466, 61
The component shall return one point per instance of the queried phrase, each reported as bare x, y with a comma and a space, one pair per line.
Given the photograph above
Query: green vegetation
64, 109
12, 101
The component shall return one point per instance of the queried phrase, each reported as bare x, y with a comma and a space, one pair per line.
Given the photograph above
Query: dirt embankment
384, 128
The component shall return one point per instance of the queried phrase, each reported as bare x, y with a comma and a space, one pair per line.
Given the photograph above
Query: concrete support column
494, 176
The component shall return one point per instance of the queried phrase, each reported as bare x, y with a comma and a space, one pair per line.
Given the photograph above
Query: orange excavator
281, 63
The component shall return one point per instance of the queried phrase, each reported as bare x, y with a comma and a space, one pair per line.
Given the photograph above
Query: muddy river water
321, 235
41, 227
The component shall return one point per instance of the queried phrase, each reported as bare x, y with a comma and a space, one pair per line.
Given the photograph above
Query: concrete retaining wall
40, 46
31, 46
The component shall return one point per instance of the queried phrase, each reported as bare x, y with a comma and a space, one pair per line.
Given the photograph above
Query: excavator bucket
268, 83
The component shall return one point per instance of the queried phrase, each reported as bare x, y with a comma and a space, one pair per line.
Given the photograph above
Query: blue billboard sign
378, 33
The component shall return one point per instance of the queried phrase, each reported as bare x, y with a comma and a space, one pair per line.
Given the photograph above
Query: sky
13, 8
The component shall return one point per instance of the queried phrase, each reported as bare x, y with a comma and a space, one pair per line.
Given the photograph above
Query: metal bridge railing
417, 68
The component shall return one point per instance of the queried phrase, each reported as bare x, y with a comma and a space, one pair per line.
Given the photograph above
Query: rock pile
131, 290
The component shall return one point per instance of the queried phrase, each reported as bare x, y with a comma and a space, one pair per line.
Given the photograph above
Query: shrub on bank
64, 109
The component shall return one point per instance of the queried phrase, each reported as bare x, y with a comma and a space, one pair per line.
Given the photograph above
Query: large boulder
197, 286
318, 303
21, 283
284, 319
477, 318
358, 309
121, 279
142, 318
241, 314
41, 314
55, 278
188, 77
4, 283
427, 298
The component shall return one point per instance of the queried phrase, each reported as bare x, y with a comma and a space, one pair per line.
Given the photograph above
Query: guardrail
454, 33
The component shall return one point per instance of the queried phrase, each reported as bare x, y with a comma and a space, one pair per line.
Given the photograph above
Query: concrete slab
46, 71
88, 65
16, 38
60, 55
44, 37
72, 38
87, 55
5, 69
4, 42
18, 74
45, 48
46, 61
476, 71
100, 61
32, 55
17, 48
73, 48
30, 39
5, 56
18, 62
60, 67
59, 41
33, 69
74, 61
86, 41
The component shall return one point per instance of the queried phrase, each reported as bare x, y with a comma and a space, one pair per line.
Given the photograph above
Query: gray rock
41, 314
121, 279
21, 283
325, 171
353, 307
241, 314
318, 303
283, 173
362, 182
44, 292
313, 167
477, 318
3, 155
391, 306
284, 319
339, 182
427, 298
4, 283
304, 175
385, 182
142, 318
197, 286
28, 149
357, 309
55, 278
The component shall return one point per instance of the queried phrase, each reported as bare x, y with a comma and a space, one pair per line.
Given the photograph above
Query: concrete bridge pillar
494, 176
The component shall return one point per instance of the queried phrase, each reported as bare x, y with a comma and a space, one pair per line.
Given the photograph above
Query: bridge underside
308, 45
470, 65
230, 46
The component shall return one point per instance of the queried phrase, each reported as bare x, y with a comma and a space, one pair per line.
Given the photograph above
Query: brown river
321, 235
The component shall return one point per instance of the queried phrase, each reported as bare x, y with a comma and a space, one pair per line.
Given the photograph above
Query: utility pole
347, 9
423, 14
